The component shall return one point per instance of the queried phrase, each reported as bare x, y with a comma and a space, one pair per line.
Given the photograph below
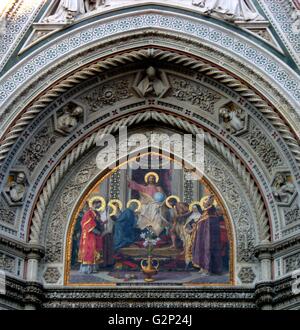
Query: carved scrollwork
263, 147
7, 263
108, 94
37, 148
7, 215
194, 94
292, 215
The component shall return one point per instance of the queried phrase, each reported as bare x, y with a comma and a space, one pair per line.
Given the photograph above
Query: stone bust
17, 188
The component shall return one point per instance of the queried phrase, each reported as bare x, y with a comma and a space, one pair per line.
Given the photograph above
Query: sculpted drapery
70, 9
231, 10
228, 9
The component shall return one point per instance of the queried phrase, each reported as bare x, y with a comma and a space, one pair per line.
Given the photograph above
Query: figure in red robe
91, 242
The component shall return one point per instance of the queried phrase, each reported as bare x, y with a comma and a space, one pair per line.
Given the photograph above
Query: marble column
34, 255
264, 291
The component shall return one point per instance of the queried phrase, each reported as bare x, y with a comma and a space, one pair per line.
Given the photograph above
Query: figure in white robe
232, 10
151, 215
66, 11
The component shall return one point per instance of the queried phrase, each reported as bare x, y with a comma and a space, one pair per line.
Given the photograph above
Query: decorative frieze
247, 275
37, 148
195, 94
7, 215
264, 149
114, 185
52, 275
292, 262
7, 263
108, 94
188, 187
292, 216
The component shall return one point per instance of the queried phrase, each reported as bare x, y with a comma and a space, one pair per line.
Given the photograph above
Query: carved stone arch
174, 56
191, 28
40, 79
187, 62
69, 193
50, 185
219, 75
245, 88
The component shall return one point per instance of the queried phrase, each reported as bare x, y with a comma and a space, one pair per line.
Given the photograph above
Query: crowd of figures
231, 10
196, 232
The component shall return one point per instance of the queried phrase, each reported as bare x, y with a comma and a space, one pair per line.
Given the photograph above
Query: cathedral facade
139, 224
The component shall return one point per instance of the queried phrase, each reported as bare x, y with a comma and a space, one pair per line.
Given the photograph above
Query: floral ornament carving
37, 149
108, 94
52, 275
197, 95
246, 275
263, 147
115, 185
292, 215
7, 263
292, 262
6, 214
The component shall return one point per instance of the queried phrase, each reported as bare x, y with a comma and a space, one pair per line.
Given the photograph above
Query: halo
194, 203
172, 197
135, 201
114, 210
202, 203
152, 174
97, 198
116, 201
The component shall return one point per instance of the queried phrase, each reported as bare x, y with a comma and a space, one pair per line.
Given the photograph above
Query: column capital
264, 251
34, 251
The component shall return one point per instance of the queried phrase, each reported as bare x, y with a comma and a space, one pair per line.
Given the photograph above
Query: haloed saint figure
112, 237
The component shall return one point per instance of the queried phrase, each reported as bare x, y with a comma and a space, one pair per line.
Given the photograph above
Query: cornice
275, 295
272, 249
26, 250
